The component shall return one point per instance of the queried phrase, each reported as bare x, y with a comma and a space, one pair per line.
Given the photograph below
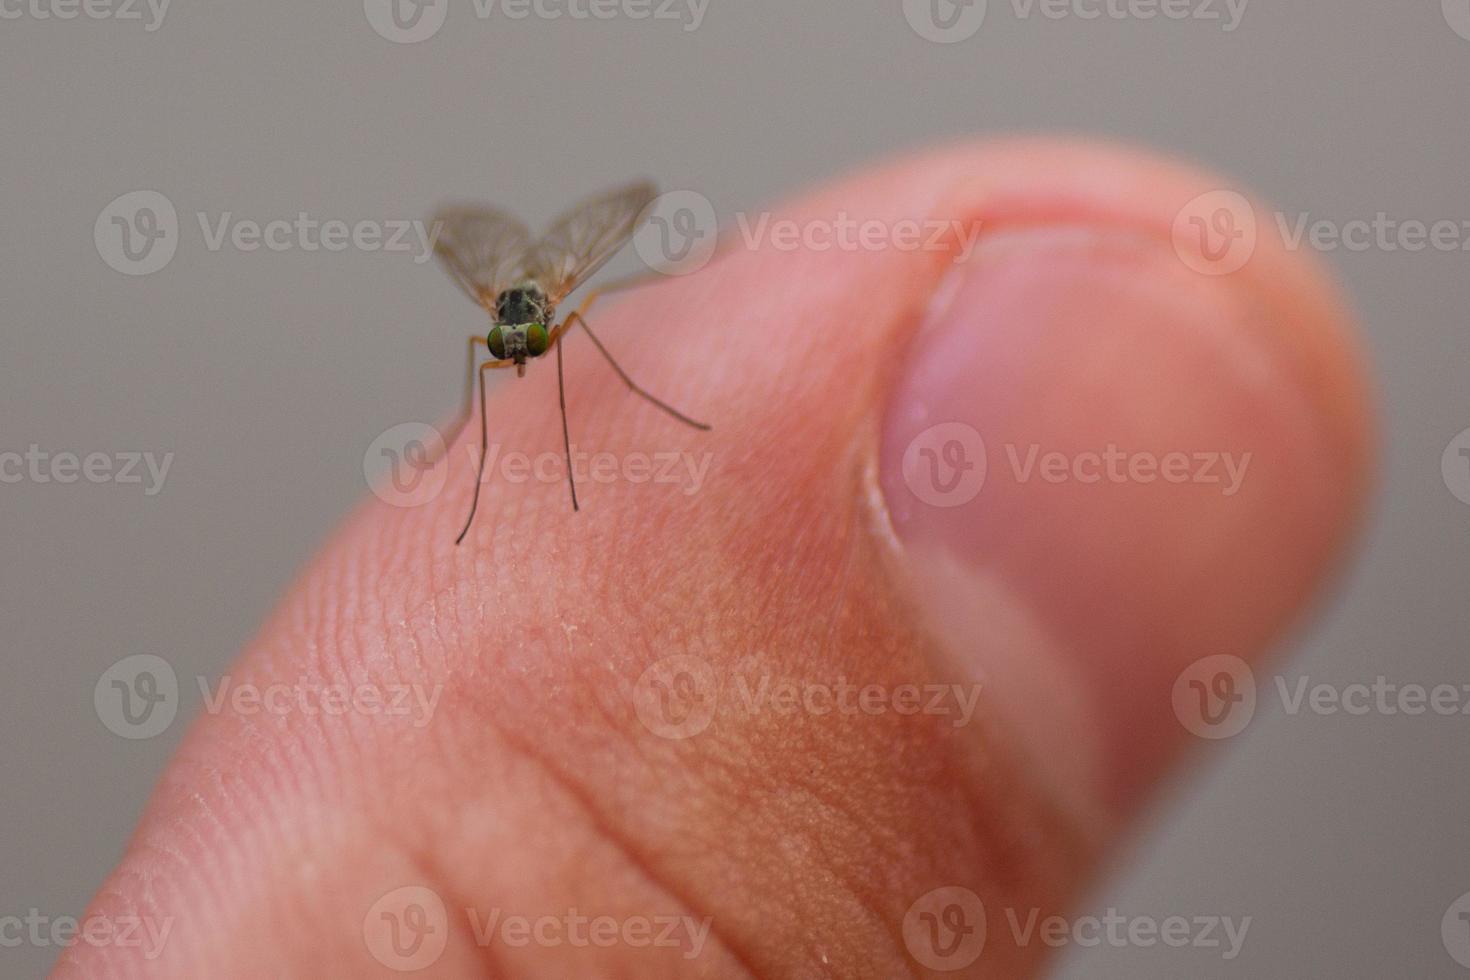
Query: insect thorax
525, 303
522, 316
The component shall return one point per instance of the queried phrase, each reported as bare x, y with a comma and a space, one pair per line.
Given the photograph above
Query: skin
536, 785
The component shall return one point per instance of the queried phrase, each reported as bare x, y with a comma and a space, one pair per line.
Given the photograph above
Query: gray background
268, 374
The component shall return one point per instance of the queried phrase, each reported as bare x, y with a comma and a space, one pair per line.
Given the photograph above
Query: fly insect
519, 281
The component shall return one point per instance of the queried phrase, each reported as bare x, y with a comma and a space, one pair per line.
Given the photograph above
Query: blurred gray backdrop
267, 374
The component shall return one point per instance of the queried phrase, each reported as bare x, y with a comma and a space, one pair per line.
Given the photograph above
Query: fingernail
1042, 468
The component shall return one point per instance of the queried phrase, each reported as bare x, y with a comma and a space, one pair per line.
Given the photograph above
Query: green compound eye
536, 339
496, 342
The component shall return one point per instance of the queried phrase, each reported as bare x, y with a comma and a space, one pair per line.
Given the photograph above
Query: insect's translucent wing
581, 240
482, 249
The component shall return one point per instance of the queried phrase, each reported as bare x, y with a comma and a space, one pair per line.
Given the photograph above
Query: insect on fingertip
520, 281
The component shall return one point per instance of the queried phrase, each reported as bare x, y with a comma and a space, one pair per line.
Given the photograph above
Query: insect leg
566, 325
484, 444
469, 395
566, 438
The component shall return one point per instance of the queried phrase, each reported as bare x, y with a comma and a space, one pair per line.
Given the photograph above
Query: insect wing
580, 241
482, 249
